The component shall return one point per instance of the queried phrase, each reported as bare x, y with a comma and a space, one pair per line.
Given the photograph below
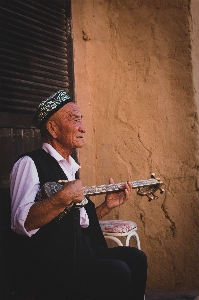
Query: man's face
70, 129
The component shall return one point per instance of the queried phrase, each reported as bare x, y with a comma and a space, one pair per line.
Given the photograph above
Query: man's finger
111, 180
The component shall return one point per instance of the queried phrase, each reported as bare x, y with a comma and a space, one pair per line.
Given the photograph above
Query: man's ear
52, 128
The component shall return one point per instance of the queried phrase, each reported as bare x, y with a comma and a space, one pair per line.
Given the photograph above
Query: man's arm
113, 200
26, 215
43, 212
24, 185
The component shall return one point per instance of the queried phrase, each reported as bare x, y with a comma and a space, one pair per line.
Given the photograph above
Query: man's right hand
71, 192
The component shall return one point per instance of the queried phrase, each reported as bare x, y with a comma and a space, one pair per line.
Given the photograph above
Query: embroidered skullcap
49, 106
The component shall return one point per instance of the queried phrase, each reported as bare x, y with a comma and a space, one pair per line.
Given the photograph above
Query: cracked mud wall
135, 66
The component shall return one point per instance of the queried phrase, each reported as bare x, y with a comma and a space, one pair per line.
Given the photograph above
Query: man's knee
120, 268
133, 257
139, 258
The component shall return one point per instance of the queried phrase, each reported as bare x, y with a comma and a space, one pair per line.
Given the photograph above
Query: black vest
59, 246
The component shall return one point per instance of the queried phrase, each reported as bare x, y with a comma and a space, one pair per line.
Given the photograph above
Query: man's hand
115, 199
72, 191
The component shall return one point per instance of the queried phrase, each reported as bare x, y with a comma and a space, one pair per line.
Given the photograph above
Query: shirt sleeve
24, 185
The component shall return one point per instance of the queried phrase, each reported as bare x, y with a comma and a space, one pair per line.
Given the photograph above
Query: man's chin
79, 145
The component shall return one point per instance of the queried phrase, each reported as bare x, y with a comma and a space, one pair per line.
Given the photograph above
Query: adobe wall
138, 91
194, 27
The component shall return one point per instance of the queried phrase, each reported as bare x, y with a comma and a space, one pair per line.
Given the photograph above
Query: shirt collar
49, 149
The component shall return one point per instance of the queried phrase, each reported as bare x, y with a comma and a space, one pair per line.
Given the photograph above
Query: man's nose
82, 128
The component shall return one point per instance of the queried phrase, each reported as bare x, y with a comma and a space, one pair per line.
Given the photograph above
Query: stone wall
138, 90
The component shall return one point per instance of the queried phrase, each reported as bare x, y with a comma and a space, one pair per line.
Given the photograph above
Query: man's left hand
115, 199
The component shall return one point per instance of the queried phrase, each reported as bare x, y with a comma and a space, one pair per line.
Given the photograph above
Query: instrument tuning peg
161, 191
150, 198
155, 197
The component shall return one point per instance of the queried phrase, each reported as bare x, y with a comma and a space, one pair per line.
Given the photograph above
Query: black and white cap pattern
49, 106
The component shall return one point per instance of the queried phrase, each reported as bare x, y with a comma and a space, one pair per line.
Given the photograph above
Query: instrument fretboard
102, 189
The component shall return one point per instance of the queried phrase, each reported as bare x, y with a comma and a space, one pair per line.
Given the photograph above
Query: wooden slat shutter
35, 42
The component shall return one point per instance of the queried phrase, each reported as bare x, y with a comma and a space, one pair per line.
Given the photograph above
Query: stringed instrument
144, 188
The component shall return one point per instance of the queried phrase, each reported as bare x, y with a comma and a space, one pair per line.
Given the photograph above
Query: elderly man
59, 244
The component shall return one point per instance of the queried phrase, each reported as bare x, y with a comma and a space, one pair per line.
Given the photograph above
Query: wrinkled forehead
69, 110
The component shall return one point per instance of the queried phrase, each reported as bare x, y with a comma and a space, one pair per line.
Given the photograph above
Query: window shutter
35, 47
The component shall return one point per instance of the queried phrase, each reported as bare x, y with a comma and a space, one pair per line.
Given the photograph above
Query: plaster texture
137, 84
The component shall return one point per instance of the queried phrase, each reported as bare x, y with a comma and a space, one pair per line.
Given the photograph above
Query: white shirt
24, 185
